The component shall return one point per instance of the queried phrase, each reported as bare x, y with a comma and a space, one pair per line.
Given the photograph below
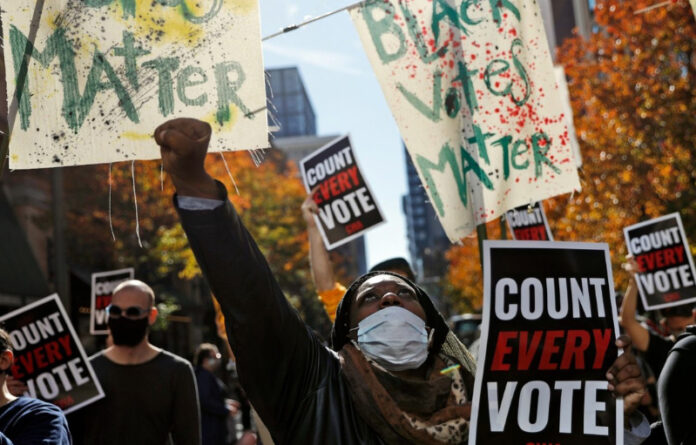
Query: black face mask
127, 332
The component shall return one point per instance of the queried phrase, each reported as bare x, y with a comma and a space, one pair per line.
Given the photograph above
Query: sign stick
287, 29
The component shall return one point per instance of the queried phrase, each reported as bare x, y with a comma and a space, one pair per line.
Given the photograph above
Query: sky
346, 98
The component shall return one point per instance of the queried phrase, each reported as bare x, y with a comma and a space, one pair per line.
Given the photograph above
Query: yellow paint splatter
242, 6
134, 136
15, 157
226, 126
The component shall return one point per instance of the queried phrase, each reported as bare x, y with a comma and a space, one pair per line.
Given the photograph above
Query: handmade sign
103, 285
472, 87
662, 252
347, 207
547, 341
49, 357
101, 75
529, 223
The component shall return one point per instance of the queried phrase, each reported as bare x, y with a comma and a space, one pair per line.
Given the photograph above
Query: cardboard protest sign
472, 87
548, 338
101, 75
49, 357
693, 6
347, 208
103, 285
662, 252
528, 223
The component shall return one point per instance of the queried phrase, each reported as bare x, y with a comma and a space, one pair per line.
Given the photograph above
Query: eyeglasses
130, 312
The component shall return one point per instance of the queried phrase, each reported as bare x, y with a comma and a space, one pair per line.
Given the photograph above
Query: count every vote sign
88, 81
346, 204
49, 357
547, 340
667, 276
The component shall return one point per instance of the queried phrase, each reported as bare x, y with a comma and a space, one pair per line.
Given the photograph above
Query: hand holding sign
184, 145
625, 378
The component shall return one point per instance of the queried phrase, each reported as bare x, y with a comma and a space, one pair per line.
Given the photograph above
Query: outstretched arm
627, 317
319, 261
279, 361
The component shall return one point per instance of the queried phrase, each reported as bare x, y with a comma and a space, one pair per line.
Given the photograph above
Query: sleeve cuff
192, 203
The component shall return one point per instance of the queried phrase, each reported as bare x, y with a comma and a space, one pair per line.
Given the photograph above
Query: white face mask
395, 338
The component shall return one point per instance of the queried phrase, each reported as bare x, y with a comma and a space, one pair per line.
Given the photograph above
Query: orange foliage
269, 202
633, 90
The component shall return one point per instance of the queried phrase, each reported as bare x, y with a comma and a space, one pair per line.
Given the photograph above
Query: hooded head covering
341, 327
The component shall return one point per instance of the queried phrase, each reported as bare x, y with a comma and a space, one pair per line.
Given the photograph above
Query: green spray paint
431, 113
227, 90
378, 28
183, 81
441, 11
75, 105
164, 67
418, 38
128, 6
100, 67
447, 158
130, 53
498, 5
540, 154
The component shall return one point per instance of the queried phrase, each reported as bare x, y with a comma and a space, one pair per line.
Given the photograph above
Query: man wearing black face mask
150, 393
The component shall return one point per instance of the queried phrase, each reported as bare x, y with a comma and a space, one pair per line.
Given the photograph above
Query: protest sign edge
93, 296
327, 244
54, 297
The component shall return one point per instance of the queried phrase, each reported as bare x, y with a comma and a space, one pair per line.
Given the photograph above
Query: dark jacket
677, 391
291, 379
214, 413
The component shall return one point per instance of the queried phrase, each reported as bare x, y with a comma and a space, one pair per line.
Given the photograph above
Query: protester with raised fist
381, 383
150, 394
25, 420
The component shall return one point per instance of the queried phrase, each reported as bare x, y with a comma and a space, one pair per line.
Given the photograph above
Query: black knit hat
397, 263
341, 327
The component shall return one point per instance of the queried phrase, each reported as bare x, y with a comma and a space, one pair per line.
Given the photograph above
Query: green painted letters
379, 28
540, 151
227, 90
183, 81
164, 67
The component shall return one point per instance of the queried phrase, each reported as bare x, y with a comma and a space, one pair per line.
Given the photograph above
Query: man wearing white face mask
380, 384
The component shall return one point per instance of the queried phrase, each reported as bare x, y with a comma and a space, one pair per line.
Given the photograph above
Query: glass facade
291, 107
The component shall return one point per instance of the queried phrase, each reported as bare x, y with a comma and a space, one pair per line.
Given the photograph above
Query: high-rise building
427, 241
295, 133
294, 115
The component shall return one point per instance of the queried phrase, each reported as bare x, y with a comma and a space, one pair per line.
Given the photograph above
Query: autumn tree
268, 201
633, 92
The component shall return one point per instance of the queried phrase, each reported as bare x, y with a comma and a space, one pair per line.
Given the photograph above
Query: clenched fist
184, 144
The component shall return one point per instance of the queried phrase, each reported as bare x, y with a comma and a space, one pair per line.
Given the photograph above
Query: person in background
329, 290
653, 346
25, 420
150, 394
389, 342
215, 408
